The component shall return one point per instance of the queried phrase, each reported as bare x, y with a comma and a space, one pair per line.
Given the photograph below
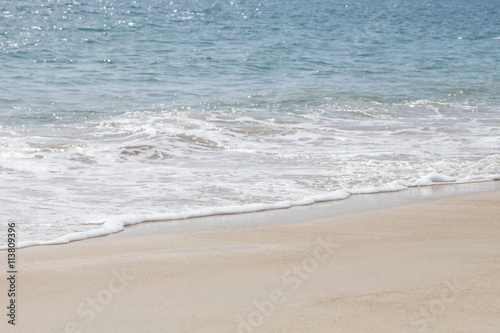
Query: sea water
118, 112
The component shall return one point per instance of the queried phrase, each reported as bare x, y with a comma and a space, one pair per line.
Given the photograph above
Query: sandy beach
431, 266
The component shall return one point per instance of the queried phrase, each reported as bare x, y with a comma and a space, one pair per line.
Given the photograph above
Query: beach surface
431, 266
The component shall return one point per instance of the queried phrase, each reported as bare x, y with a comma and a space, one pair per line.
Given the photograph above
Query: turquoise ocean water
119, 112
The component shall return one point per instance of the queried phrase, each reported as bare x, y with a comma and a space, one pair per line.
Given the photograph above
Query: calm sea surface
118, 112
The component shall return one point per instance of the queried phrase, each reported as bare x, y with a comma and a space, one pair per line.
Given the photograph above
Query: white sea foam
67, 182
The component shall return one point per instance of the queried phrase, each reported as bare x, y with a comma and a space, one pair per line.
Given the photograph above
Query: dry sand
425, 267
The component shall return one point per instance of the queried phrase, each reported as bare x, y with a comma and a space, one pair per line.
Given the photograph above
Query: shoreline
353, 204
431, 265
